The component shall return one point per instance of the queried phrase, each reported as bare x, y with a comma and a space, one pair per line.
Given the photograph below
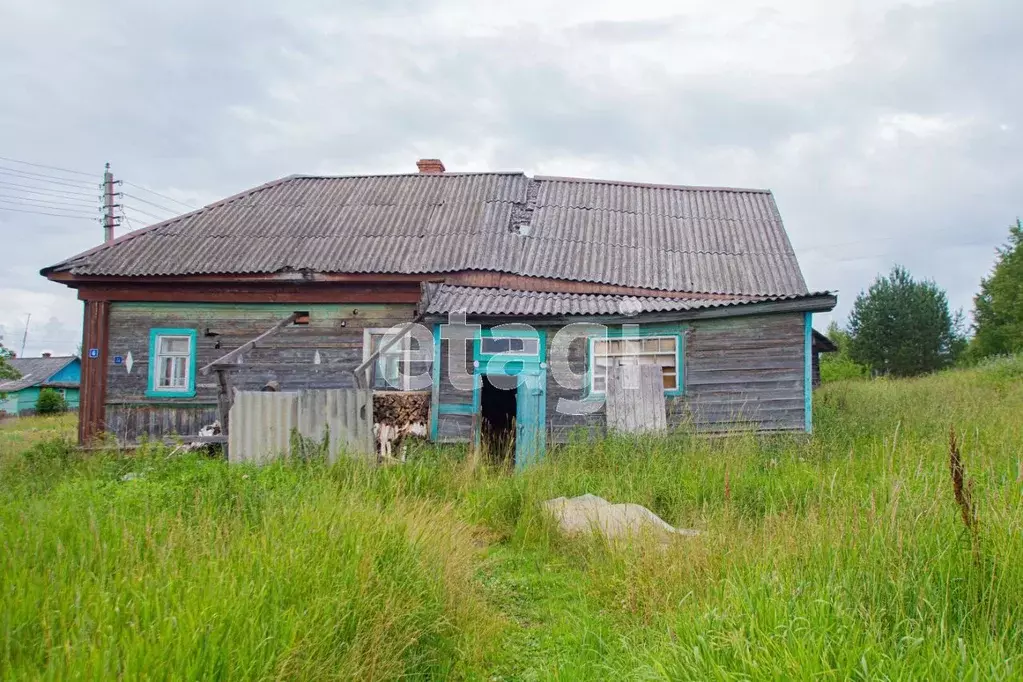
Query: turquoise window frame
650, 331
505, 356
151, 390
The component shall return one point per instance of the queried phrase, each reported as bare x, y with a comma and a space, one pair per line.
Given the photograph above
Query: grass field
844, 556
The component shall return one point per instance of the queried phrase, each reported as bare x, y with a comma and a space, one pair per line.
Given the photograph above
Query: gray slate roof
694, 239
34, 371
446, 298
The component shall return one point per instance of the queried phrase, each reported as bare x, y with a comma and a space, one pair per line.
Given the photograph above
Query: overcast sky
889, 130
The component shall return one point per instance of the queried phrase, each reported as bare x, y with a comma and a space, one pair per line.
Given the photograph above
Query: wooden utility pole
109, 221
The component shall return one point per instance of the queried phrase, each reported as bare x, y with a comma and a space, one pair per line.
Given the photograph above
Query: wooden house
701, 281
61, 373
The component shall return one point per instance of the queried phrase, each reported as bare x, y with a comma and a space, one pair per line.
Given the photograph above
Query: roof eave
809, 303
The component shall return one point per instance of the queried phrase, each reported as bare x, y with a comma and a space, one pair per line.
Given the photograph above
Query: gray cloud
889, 131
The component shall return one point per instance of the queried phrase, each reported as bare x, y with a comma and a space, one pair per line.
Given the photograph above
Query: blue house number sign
94, 352
118, 360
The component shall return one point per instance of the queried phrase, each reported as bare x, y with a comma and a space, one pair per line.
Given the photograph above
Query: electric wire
47, 202
163, 196
144, 201
40, 165
35, 189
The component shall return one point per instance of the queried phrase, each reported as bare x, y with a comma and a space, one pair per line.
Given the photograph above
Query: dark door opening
497, 407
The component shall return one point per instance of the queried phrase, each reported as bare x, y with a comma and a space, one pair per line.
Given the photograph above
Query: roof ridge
649, 185
445, 174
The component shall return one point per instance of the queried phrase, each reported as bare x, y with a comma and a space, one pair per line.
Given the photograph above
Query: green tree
838, 366
6, 371
998, 308
50, 402
903, 327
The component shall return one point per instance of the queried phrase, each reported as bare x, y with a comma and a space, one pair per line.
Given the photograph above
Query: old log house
701, 281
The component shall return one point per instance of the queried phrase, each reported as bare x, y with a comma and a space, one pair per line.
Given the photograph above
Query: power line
164, 196
162, 208
52, 179
44, 202
139, 210
128, 220
46, 207
40, 165
57, 215
34, 189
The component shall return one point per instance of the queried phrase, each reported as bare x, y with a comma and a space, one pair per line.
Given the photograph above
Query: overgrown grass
840, 556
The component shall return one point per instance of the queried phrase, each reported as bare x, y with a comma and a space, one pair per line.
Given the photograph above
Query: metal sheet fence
264, 425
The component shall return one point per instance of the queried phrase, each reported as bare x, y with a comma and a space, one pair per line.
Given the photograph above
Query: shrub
50, 402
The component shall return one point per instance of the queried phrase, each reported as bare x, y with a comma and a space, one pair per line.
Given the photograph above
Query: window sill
150, 393
602, 395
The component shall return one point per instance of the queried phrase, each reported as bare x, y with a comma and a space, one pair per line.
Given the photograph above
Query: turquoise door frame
531, 418
529, 368
530, 371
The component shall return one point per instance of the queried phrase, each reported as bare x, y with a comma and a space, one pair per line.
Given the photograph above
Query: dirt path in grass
554, 631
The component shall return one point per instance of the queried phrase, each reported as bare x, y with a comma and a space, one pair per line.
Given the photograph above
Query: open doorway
497, 407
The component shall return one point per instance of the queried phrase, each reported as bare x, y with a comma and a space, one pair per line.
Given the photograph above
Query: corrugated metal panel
706, 240
261, 423
483, 301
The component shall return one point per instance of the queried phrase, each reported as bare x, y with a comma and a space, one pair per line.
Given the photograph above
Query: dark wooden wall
335, 331
739, 372
744, 371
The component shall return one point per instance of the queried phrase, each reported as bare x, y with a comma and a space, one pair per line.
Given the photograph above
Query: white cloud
885, 128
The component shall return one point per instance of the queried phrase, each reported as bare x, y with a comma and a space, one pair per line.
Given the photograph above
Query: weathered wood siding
744, 371
449, 393
454, 428
741, 372
334, 331
588, 417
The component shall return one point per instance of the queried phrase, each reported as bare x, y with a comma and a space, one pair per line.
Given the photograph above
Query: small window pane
174, 345
491, 344
652, 351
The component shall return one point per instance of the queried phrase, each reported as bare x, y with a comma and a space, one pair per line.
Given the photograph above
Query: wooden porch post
95, 337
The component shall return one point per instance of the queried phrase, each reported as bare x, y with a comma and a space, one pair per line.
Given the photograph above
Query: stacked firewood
397, 415
398, 408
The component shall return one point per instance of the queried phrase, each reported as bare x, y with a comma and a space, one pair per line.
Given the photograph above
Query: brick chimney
430, 166
46, 355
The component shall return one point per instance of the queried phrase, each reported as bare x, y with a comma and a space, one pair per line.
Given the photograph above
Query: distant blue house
63, 374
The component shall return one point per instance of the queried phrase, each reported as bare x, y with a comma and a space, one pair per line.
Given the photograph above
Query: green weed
842, 555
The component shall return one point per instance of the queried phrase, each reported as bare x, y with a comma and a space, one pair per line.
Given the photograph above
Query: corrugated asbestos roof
446, 299
708, 240
33, 371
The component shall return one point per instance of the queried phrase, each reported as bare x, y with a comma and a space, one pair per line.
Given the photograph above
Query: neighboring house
701, 281
63, 374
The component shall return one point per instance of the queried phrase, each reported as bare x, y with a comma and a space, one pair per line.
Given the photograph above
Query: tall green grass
837, 556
